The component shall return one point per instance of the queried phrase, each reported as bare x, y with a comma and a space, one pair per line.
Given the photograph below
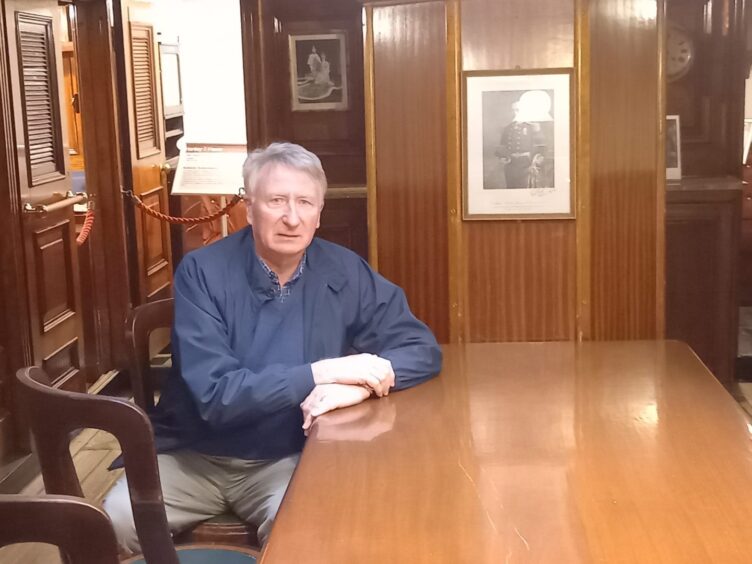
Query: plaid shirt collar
282, 292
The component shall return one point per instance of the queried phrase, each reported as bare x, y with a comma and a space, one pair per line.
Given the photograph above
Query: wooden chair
142, 321
53, 416
82, 532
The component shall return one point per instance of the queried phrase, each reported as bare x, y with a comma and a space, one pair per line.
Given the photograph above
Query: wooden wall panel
521, 275
625, 194
505, 35
410, 123
336, 136
521, 281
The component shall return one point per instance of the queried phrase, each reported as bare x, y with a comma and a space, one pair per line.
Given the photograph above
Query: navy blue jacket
215, 403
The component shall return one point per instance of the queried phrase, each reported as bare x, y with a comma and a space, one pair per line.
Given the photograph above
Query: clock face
680, 52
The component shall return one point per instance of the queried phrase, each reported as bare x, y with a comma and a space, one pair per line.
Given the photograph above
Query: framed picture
747, 140
673, 148
517, 145
318, 71
172, 89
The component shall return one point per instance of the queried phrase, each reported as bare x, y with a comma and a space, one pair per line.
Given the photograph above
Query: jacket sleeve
225, 393
389, 329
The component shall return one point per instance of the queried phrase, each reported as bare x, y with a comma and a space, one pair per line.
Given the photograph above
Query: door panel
50, 251
147, 149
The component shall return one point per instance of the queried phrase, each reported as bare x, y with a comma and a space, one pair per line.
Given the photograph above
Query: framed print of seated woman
318, 71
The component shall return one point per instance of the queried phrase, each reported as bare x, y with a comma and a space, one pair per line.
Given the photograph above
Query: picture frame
673, 148
747, 140
172, 88
318, 71
517, 145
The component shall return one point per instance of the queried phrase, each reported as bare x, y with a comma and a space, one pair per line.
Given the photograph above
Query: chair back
141, 322
53, 416
81, 531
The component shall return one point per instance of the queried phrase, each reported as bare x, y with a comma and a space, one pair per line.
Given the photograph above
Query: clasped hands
345, 381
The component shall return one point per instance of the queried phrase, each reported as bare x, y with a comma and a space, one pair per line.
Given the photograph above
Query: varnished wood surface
517, 34
521, 281
457, 272
583, 225
410, 109
107, 299
533, 452
521, 275
709, 98
626, 195
702, 262
147, 155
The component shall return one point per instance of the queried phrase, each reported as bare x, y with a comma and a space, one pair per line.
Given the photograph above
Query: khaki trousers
197, 487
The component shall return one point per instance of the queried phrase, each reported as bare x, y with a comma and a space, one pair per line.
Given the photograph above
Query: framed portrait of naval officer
517, 145
318, 71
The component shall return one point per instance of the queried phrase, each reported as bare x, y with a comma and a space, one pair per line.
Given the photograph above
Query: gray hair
260, 161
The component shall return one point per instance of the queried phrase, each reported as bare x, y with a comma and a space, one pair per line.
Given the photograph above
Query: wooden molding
660, 196
108, 247
15, 328
582, 180
252, 78
370, 114
379, 3
457, 266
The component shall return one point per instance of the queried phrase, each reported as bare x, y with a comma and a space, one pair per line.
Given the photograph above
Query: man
523, 142
265, 324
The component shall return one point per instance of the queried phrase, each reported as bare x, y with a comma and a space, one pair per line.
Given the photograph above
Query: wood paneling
626, 193
155, 253
521, 281
56, 318
709, 99
107, 293
50, 253
337, 137
745, 265
457, 272
410, 110
583, 224
517, 33
137, 70
702, 250
342, 222
521, 275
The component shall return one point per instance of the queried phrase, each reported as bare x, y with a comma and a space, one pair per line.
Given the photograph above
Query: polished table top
537, 452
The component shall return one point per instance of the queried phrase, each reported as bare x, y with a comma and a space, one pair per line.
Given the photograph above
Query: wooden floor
92, 451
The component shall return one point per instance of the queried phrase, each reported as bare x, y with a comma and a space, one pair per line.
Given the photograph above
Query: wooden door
50, 254
145, 119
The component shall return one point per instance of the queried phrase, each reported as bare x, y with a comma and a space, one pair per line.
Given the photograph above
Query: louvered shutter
41, 108
144, 90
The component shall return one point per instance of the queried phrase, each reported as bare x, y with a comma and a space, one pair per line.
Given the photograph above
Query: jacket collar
320, 267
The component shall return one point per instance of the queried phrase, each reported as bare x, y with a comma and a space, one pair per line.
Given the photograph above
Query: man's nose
292, 217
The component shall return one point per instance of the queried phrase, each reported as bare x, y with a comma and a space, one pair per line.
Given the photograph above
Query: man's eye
306, 202
277, 201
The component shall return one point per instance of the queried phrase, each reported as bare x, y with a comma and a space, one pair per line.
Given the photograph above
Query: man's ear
247, 202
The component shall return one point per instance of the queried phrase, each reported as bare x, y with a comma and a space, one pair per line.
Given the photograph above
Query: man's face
284, 212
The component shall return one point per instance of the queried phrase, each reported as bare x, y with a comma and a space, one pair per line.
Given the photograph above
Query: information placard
212, 169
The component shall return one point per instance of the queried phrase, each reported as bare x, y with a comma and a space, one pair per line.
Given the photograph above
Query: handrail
68, 201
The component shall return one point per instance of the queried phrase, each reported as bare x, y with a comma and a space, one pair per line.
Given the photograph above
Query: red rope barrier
86, 229
183, 220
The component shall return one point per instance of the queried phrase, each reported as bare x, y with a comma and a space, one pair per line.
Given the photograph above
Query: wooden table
552, 452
